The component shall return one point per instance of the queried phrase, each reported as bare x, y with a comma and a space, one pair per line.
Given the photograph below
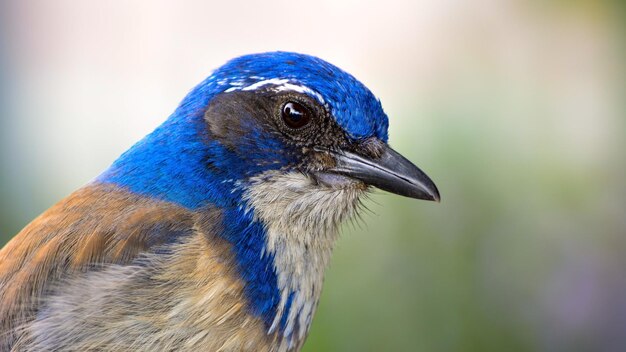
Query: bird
214, 231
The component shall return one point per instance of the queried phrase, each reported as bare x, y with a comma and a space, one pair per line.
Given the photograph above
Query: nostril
371, 147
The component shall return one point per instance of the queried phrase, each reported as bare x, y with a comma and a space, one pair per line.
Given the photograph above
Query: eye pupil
295, 115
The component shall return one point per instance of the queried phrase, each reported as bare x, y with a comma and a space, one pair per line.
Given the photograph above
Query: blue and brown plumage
213, 232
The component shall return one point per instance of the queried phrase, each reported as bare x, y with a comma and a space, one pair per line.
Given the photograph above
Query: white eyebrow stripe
281, 85
259, 84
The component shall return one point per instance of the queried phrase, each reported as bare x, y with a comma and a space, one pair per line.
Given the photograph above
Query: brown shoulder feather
97, 225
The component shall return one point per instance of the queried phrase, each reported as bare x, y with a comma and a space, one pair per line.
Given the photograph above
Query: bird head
295, 113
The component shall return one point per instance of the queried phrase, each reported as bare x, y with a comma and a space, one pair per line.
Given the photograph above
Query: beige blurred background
515, 108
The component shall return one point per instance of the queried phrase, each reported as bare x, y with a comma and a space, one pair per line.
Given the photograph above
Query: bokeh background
517, 109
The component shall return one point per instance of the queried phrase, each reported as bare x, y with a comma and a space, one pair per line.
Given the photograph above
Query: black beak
390, 172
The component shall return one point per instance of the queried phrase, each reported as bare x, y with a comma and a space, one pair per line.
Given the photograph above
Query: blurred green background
516, 109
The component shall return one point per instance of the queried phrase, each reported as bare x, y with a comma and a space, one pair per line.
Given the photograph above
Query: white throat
301, 219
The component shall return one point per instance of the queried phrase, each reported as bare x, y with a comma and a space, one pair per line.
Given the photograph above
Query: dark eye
295, 115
